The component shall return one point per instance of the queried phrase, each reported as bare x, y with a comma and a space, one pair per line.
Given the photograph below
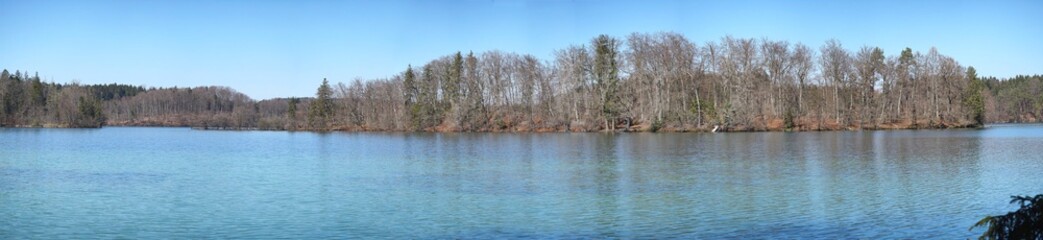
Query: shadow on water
606, 177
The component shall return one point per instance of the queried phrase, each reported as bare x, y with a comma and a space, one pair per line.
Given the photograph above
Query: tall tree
427, 103
804, 67
908, 87
973, 98
451, 89
321, 109
571, 72
474, 112
410, 92
606, 73
291, 113
835, 63
868, 63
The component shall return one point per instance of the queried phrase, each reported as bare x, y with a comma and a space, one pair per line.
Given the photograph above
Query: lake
121, 182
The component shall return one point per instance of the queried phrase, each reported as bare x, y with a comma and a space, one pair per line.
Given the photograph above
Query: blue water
181, 183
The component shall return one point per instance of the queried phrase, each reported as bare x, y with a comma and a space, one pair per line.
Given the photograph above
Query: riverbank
772, 125
47, 125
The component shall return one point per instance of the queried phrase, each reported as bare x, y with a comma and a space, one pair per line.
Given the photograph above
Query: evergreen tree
451, 88
410, 91
426, 106
606, 73
321, 109
36, 95
1024, 223
291, 109
91, 114
973, 99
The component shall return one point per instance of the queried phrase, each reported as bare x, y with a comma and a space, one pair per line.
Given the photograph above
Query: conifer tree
321, 110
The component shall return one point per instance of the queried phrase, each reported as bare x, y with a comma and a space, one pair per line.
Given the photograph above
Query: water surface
182, 183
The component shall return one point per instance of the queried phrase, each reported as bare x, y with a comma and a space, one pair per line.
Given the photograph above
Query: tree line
663, 81
27, 101
1018, 99
643, 82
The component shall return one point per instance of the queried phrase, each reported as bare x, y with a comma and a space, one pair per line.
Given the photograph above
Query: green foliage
1018, 99
426, 110
876, 65
105, 92
409, 85
410, 94
973, 98
416, 116
321, 109
90, 113
657, 124
585, 84
1024, 223
291, 109
606, 74
906, 58
36, 92
421, 98
451, 87
12, 98
709, 112
787, 120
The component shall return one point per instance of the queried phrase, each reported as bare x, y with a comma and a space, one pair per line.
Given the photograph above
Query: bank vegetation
643, 82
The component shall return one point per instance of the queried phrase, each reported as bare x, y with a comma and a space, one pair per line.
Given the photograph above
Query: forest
643, 82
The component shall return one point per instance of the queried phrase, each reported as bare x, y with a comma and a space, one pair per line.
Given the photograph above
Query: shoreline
633, 129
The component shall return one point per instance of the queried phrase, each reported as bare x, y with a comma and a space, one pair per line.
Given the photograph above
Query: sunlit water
182, 183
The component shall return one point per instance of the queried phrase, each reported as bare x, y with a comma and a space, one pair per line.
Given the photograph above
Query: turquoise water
182, 183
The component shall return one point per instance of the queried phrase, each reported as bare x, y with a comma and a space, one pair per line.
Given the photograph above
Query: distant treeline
27, 101
645, 82
1018, 99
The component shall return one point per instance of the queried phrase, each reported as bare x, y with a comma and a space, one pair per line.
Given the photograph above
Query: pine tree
606, 73
321, 110
973, 98
291, 110
410, 91
91, 114
451, 88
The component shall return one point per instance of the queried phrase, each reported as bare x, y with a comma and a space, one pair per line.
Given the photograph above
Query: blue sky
272, 49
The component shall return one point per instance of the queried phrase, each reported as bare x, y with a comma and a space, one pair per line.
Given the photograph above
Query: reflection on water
172, 182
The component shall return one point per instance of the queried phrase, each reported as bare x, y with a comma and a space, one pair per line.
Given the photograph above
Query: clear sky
272, 49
